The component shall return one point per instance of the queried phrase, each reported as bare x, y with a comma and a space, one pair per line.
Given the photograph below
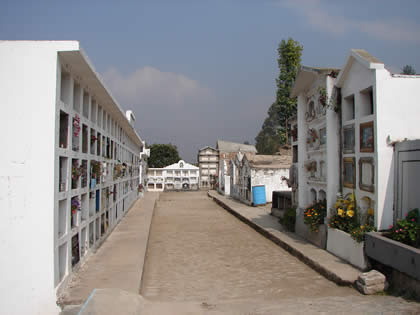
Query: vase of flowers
75, 210
314, 215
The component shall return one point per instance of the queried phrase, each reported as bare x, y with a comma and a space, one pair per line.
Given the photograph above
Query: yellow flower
370, 211
350, 213
350, 207
337, 204
340, 212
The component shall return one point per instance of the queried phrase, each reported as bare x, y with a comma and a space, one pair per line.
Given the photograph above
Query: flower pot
342, 245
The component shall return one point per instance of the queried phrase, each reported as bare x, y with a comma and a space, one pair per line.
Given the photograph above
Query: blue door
258, 195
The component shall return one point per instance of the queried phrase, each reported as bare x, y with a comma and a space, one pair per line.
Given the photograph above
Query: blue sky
198, 71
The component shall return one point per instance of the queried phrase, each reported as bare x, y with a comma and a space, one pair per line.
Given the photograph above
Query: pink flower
391, 226
400, 230
396, 231
413, 220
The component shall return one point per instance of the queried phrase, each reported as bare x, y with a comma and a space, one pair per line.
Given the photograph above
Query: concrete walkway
260, 218
118, 263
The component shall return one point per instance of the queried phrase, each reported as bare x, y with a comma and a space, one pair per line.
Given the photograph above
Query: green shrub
407, 230
289, 219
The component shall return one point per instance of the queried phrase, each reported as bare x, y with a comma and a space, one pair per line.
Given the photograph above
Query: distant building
178, 176
227, 151
208, 161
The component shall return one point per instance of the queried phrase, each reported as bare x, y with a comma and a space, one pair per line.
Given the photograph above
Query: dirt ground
202, 258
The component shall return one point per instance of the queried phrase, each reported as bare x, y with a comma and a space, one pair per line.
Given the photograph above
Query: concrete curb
147, 243
301, 255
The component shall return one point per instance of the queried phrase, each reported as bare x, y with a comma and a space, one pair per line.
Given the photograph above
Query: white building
378, 109
317, 143
250, 170
69, 169
227, 151
208, 162
178, 176
144, 155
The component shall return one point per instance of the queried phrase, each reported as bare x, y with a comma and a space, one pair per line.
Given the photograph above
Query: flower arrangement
347, 218
76, 125
311, 166
75, 205
117, 171
407, 230
76, 170
96, 169
314, 215
323, 96
345, 214
312, 138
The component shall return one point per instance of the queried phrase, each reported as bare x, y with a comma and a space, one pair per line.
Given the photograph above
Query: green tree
408, 69
275, 129
162, 155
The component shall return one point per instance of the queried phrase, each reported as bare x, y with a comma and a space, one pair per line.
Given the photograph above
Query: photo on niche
366, 137
349, 172
366, 174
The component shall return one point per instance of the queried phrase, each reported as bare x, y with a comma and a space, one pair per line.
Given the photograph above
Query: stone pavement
259, 218
199, 252
118, 263
202, 260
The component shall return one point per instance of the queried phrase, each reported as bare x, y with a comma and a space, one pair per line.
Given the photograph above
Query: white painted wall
271, 179
397, 117
302, 155
29, 197
27, 125
329, 153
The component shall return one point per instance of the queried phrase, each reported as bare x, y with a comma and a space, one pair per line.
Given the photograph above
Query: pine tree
275, 129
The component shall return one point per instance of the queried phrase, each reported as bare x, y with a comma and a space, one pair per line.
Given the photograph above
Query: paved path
118, 263
202, 258
260, 218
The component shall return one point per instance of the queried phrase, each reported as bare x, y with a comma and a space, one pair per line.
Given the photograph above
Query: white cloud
319, 17
150, 86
